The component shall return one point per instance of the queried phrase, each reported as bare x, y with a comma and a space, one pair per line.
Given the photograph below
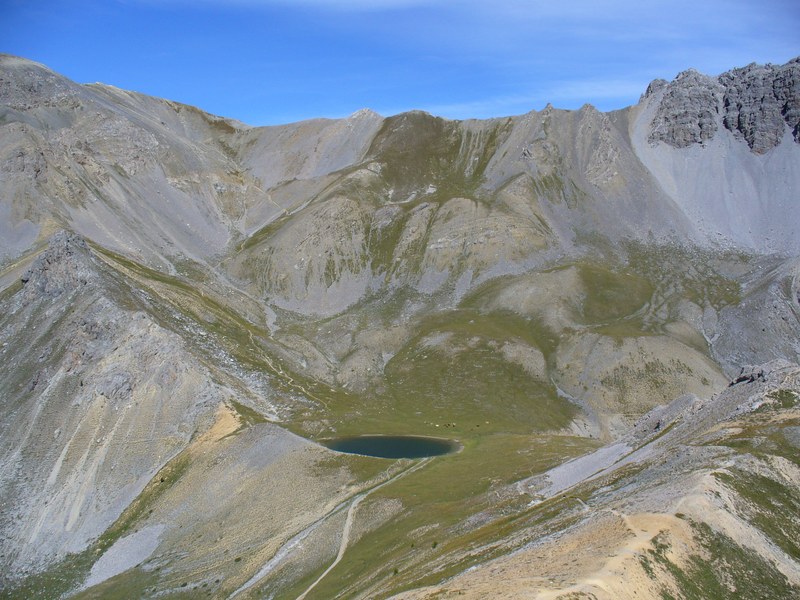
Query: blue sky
275, 61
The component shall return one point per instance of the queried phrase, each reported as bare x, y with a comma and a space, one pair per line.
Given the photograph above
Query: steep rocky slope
97, 398
190, 304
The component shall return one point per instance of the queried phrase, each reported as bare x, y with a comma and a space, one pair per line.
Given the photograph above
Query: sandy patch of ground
598, 557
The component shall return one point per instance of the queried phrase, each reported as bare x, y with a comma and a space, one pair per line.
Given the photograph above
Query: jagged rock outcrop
756, 103
761, 101
688, 110
63, 267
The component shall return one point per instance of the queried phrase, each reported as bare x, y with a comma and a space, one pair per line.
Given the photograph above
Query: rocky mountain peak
654, 87
756, 103
25, 85
365, 113
687, 113
760, 101
65, 266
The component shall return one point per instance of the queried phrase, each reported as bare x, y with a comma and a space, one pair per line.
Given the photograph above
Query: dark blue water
392, 446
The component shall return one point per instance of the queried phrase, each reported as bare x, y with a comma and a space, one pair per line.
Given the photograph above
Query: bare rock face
756, 103
688, 111
759, 99
61, 268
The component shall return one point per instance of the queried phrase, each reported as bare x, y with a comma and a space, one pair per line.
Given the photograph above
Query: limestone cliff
760, 104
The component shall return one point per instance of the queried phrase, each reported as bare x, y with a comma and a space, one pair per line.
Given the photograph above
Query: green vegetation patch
611, 295
452, 380
688, 272
134, 583
449, 507
653, 373
726, 571
762, 437
247, 414
471, 387
609, 300
769, 505
780, 400
56, 581
417, 150
11, 290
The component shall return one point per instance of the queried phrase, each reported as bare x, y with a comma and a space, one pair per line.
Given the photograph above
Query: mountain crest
757, 103
65, 266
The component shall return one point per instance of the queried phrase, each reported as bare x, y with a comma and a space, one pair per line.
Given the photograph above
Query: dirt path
619, 576
349, 522
295, 541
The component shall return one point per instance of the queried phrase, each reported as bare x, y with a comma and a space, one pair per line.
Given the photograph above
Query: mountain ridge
263, 181
190, 307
